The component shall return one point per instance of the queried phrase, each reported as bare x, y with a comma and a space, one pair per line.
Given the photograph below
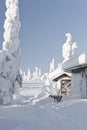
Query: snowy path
41, 113
45, 115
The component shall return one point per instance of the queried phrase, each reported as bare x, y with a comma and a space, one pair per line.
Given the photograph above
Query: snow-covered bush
52, 89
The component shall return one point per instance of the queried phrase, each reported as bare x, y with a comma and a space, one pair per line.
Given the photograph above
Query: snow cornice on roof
75, 62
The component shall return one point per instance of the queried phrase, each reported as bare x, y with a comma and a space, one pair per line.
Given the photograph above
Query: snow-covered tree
52, 64
36, 74
69, 48
28, 74
10, 78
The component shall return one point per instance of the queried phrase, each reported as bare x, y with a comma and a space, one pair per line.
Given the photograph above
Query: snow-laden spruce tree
69, 48
52, 65
10, 78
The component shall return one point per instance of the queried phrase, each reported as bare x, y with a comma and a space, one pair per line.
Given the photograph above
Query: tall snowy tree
52, 64
69, 48
10, 78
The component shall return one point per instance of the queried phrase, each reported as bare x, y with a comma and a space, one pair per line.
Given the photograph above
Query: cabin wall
79, 85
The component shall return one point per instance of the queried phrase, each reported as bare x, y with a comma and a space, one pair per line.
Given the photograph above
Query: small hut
63, 81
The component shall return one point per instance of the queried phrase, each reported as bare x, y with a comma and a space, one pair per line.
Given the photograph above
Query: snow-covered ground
41, 113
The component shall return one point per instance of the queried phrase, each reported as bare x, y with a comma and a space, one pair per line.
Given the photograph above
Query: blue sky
44, 25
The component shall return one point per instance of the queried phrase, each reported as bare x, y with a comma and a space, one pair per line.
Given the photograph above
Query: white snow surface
41, 113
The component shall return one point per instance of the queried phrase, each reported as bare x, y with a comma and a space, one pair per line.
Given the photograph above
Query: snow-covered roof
76, 62
56, 74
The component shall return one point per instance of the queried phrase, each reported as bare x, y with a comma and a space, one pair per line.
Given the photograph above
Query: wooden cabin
64, 83
78, 68
79, 81
63, 80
